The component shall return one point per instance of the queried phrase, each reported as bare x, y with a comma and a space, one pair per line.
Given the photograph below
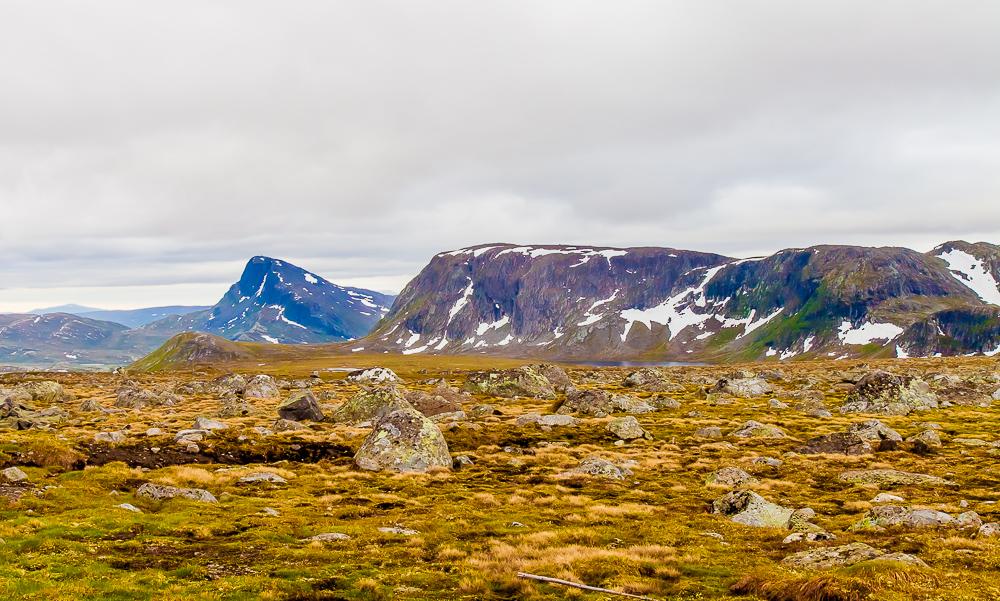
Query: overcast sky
148, 149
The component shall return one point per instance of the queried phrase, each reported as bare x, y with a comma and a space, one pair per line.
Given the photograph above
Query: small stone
708, 432
729, 477
129, 507
160, 492
398, 531
989, 530
627, 428
263, 477
154, 432
884, 497
13, 474
270, 512
755, 429
462, 461
204, 423
968, 520
328, 537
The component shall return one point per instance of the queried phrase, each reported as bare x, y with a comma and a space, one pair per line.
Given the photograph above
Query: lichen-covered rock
45, 391
160, 492
709, 432
890, 478
875, 431
989, 530
625, 403
746, 388
968, 520
301, 405
887, 516
509, 383
627, 428
131, 396
204, 423
229, 385
749, 508
546, 421
593, 402
13, 475
926, 441
649, 378
889, 394
261, 387
837, 443
376, 375
755, 429
598, 467
110, 437
404, 441
832, 557
288, 425
729, 477
371, 404
556, 376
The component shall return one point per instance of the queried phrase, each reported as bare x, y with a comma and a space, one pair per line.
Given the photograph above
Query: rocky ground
443, 479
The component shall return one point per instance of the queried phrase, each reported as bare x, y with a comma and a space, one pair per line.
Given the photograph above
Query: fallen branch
584, 587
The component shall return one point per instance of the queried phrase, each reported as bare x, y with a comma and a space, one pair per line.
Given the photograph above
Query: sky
147, 150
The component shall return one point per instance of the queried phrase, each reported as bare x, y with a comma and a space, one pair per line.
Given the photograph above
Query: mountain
63, 339
71, 309
135, 318
277, 302
576, 302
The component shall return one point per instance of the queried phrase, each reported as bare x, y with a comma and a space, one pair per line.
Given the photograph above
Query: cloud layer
148, 153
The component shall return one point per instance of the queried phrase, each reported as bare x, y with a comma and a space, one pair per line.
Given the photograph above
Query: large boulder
649, 378
595, 402
371, 404
729, 477
875, 431
261, 387
229, 385
750, 509
131, 396
889, 394
509, 383
404, 441
301, 405
45, 391
556, 375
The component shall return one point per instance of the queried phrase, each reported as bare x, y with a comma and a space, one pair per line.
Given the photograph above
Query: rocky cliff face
666, 304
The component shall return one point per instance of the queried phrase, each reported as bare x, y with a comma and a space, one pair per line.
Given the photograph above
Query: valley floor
466, 533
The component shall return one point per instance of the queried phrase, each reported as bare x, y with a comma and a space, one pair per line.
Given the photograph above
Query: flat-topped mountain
660, 303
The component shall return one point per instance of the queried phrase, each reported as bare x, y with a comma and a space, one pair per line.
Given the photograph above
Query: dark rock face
301, 405
567, 302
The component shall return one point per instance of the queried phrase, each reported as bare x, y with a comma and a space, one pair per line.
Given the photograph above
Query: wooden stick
579, 586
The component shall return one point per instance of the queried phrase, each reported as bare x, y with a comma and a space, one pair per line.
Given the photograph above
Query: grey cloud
143, 146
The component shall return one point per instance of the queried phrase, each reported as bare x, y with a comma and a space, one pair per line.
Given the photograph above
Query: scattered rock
599, 468
160, 492
13, 474
925, 442
398, 531
593, 402
875, 431
263, 478
730, 477
746, 388
204, 423
371, 404
884, 497
129, 507
886, 516
627, 428
832, 557
261, 387
648, 378
547, 421
462, 462
989, 530
709, 432
327, 537
838, 443
755, 429
109, 437
890, 478
288, 425
301, 405
749, 508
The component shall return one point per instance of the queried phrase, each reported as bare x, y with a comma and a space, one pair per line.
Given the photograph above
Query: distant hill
136, 318
190, 349
70, 308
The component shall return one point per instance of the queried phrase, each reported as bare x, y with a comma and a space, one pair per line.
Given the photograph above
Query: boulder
889, 394
404, 441
886, 516
598, 468
875, 431
556, 376
989, 530
109, 437
160, 492
838, 443
890, 478
709, 432
288, 425
374, 375
371, 404
755, 429
925, 442
593, 402
301, 405
750, 509
229, 385
443, 399
730, 477
133, 397
627, 428
547, 421
648, 378
204, 423
746, 388
13, 475
625, 403
45, 391
262, 478
509, 383
261, 387
832, 557
327, 537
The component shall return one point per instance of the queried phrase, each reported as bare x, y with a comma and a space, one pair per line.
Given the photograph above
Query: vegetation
63, 536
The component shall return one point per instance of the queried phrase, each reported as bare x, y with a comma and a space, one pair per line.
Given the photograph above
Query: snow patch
973, 274
670, 313
867, 332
